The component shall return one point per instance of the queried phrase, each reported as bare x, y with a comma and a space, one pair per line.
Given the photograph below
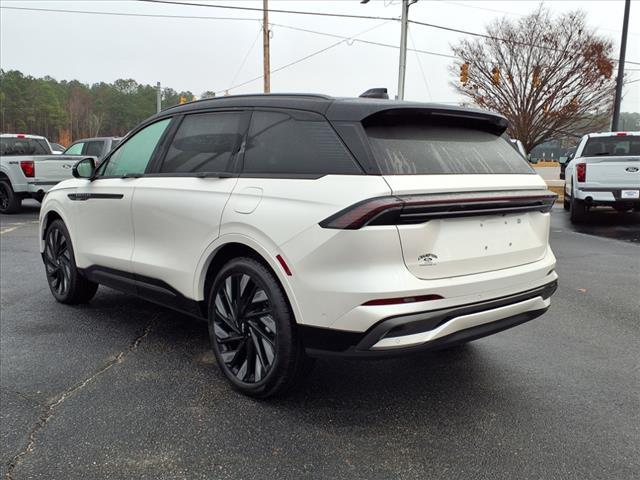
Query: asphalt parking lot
124, 389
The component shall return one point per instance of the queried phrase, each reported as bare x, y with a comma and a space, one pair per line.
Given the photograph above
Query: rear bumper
606, 196
430, 330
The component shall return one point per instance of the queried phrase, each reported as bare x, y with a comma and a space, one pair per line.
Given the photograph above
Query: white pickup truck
605, 171
28, 169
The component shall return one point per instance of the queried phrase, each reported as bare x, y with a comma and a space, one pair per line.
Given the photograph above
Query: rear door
473, 204
177, 208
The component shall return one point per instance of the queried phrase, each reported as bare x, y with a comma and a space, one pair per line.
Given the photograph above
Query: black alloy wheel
4, 197
57, 261
253, 331
244, 328
65, 281
9, 201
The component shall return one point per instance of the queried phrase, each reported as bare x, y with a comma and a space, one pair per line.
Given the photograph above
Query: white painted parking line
14, 226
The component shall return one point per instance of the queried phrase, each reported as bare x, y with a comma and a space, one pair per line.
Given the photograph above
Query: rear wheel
577, 210
252, 330
9, 201
65, 281
565, 202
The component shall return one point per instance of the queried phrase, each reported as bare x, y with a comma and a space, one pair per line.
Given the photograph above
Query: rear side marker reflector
284, 265
401, 300
414, 209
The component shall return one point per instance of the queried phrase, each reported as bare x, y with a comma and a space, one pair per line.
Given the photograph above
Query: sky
199, 54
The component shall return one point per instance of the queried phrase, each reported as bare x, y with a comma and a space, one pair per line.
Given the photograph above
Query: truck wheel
9, 201
565, 202
577, 210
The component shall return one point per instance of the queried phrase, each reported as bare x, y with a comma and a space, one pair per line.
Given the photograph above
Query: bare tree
548, 76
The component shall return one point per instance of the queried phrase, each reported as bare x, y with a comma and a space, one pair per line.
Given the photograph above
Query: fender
267, 250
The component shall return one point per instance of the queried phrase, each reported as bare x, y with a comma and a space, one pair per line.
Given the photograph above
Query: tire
66, 283
9, 201
565, 202
252, 330
577, 210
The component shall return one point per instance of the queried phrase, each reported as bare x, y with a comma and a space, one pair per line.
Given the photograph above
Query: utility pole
265, 46
404, 25
158, 98
402, 67
623, 52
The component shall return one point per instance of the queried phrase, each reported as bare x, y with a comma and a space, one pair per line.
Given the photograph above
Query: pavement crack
50, 408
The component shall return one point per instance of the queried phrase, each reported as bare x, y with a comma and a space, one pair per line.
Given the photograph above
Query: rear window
415, 149
11, 146
614, 146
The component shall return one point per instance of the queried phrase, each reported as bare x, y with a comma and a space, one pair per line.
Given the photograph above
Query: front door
103, 230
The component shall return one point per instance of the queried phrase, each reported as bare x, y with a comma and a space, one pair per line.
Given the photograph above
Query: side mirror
570, 157
85, 168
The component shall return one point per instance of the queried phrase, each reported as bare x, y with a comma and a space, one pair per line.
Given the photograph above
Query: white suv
301, 225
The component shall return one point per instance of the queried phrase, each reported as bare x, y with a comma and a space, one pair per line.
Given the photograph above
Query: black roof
335, 109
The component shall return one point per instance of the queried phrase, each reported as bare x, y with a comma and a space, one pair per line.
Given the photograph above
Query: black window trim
154, 166
295, 176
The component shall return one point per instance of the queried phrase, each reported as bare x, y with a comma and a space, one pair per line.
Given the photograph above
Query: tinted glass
94, 149
603, 146
11, 146
134, 155
114, 143
75, 149
204, 142
281, 144
414, 149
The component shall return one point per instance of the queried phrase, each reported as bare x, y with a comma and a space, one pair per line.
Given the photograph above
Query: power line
367, 42
244, 60
465, 5
306, 57
123, 14
491, 37
271, 10
194, 17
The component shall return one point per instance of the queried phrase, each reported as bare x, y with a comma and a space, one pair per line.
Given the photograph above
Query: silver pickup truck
605, 171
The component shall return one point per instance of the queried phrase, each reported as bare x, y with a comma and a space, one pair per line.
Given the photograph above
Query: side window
281, 144
75, 149
204, 142
94, 148
134, 155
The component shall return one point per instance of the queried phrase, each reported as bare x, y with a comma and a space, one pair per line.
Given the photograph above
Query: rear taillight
581, 172
28, 168
416, 209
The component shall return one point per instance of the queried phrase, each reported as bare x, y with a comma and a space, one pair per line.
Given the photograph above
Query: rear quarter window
280, 144
418, 149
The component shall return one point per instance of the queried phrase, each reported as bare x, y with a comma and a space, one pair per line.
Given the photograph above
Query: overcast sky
207, 54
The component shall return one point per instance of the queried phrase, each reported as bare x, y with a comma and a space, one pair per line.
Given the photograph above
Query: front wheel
9, 201
65, 281
253, 331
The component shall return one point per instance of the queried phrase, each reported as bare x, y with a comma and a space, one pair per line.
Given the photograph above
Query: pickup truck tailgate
54, 168
618, 172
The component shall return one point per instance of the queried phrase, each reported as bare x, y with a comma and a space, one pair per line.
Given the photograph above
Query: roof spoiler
375, 93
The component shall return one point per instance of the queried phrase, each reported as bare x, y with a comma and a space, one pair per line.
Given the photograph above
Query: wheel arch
52, 213
232, 246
